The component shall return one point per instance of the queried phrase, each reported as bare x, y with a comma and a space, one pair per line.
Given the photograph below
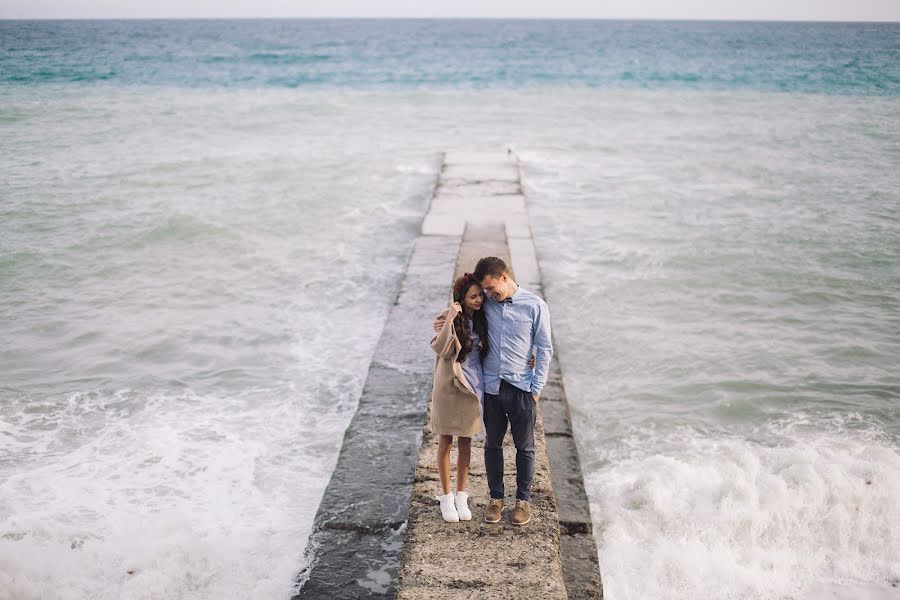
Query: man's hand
438, 323
536, 397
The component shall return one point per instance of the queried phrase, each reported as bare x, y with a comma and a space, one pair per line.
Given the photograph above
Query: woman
458, 393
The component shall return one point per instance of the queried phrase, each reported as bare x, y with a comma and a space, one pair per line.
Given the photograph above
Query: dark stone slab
356, 565
556, 417
568, 485
553, 390
580, 567
357, 498
392, 393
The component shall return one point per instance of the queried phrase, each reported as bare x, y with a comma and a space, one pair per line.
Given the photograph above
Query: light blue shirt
471, 366
515, 326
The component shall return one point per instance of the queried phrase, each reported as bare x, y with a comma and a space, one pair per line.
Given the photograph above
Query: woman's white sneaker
462, 506
448, 510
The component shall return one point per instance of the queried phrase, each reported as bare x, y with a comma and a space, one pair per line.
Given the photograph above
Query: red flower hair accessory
463, 284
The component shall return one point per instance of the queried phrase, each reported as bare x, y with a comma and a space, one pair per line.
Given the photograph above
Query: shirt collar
514, 295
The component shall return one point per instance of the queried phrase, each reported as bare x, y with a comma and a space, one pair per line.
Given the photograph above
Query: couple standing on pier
486, 379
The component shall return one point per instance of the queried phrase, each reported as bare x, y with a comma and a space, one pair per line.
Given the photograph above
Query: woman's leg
464, 446
443, 461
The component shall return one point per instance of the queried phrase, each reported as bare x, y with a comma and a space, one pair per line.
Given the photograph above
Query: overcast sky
809, 10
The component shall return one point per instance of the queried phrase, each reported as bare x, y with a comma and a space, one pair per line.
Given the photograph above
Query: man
518, 321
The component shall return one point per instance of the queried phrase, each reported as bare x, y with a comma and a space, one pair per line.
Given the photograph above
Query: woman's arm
443, 343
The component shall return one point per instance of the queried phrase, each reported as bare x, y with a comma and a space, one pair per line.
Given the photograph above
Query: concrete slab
350, 553
574, 516
482, 172
518, 226
556, 416
467, 205
445, 224
522, 253
480, 240
498, 155
483, 188
581, 568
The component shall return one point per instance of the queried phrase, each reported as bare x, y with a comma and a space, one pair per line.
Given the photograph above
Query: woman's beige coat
455, 408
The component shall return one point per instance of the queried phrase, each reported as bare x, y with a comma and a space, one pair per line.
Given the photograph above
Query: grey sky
812, 10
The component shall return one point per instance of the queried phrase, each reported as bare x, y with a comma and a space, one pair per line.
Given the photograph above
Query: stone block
581, 569
568, 485
443, 224
524, 260
481, 172
342, 567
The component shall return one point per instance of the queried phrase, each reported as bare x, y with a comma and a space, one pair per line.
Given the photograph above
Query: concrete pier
378, 532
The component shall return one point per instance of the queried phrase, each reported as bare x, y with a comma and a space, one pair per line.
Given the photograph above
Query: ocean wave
141, 494
698, 514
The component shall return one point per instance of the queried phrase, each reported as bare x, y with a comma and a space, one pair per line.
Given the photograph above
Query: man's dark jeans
517, 408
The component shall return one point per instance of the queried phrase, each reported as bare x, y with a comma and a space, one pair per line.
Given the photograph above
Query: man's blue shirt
515, 325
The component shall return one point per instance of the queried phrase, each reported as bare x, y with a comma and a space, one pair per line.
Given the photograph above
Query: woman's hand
531, 362
457, 307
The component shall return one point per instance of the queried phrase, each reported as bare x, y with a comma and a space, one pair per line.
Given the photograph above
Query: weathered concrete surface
468, 559
474, 559
555, 555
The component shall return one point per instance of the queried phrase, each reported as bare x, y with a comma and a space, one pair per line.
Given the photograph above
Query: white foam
187, 495
691, 514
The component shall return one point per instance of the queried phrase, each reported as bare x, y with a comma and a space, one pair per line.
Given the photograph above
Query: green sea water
203, 225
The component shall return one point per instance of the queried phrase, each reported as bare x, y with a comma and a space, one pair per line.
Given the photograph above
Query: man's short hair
489, 265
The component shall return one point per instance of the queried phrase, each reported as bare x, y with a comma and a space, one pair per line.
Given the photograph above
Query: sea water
203, 225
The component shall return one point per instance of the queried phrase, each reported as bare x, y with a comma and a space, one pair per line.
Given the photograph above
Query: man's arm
543, 349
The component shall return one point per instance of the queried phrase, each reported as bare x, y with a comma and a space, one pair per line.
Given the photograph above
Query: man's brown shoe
522, 514
493, 511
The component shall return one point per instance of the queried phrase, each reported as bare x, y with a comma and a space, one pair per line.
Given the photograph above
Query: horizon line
407, 18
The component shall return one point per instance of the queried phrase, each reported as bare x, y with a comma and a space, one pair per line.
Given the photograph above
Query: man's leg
495, 424
522, 419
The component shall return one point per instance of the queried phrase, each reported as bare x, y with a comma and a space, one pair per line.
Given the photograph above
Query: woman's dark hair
461, 287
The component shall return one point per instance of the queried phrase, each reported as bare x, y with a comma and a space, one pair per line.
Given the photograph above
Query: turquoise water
203, 225
830, 58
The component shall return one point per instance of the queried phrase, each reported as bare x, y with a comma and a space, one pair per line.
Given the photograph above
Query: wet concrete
358, 532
